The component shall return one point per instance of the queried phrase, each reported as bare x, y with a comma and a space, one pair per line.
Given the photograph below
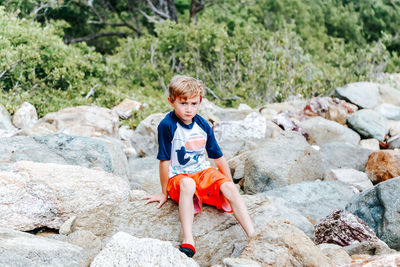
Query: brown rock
388, 260
126, 107
343, 228
383, 165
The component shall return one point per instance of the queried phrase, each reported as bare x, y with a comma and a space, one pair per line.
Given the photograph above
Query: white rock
371, 144
126, 250
352, 177
25, 116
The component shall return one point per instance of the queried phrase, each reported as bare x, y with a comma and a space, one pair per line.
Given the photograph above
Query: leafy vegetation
245, 51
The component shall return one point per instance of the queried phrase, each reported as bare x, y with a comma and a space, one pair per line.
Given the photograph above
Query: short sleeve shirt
185, 145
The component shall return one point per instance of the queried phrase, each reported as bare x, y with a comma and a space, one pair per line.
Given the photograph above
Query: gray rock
216, 233
321, 131
369, 124
284, 160
351, 177
390, 112
363, 94
106, 154
126, 250
22, 249
389, 95
36, 195
315, 200
340, 155
144, 174
378, 207
144, 139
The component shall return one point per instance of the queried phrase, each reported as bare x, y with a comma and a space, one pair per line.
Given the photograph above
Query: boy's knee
187, 186
228, 189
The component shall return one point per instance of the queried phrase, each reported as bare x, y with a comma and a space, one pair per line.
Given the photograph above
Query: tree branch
94, 36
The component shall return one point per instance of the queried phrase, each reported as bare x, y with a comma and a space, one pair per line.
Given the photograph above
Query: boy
185, 174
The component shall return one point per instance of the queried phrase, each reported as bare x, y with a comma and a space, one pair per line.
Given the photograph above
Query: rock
216, 233
106, 154
272, 130
394, 127
243, 106
233, 135
6, 127
144, 139
321, 131
392, 79
240, 262
351, 177
22, 249
390, 112
25, 116
36, 195
90, 121
371, 144
391, 260
281, 244
236, 165
337, 155
330, 108
125, 133
383, 165
287, 122
378, 207
362, 94
126, 250
394, 142
343, 228
86, 240
144, 175
66, 227
284, 160
369, 124
371, 247
389, 95
38, 129
335, 253
126, 107
307, 197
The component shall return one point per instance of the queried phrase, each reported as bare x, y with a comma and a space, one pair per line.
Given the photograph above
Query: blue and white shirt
184, 144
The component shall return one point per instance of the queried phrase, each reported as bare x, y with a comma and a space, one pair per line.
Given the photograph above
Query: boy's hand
161, 198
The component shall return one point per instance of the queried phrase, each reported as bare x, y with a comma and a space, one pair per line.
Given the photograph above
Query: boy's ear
169, 100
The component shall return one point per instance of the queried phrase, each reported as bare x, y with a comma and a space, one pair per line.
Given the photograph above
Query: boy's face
186, 107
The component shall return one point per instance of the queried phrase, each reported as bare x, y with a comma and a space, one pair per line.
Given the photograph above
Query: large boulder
337, 155
315, 200
281, 244
25, 116
217, 234
362, 94
378, 207
36, 195
383, 165
106, 154
351, 177
90, 121
369, 124
144, 174
144, 139
126, 250
284, 160
22, 249
321, 131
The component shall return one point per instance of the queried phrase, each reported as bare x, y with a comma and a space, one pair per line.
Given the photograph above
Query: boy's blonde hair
186, 87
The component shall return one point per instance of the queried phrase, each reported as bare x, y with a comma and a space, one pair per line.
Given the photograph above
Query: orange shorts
208, 183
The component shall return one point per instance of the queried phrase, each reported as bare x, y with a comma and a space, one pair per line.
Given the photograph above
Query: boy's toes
188, 249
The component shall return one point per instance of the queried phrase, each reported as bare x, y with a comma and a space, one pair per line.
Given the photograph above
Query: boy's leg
239, 207
186, 208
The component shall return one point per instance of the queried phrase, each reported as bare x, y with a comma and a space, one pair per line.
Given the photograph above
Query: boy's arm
163, 196
223, 167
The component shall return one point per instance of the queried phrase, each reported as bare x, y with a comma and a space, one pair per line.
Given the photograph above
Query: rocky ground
320, 177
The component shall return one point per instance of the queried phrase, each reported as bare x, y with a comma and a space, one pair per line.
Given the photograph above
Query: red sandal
188, 249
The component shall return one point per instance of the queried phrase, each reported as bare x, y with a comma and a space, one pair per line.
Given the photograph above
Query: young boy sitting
185, 173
